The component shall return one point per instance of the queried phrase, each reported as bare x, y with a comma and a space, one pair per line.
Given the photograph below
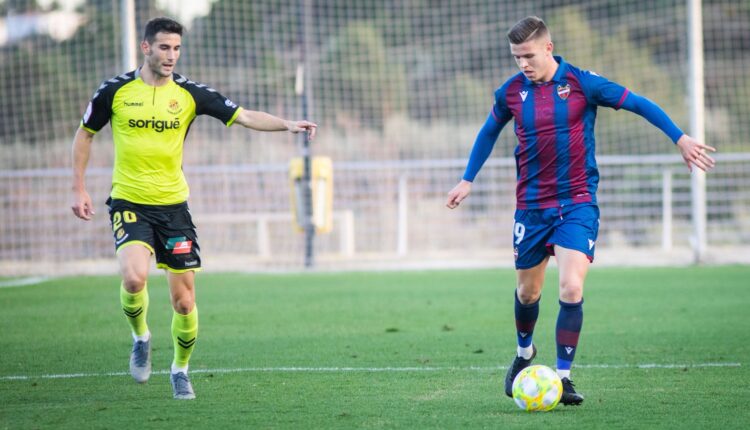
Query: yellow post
322, 192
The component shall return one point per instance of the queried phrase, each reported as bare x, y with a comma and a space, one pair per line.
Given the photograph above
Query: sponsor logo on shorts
591, 244
179, 245
183, 247
515, 253
121, 239
191, 263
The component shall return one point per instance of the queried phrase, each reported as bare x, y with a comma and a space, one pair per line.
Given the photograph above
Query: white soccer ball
537, 388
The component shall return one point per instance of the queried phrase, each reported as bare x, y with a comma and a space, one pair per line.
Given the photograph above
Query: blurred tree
365, 85
19, 6
38, 94
618, 59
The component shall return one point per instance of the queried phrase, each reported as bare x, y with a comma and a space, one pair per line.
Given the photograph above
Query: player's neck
151, 78
550, 73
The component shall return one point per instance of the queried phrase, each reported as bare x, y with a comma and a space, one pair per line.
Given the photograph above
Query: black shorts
167, 231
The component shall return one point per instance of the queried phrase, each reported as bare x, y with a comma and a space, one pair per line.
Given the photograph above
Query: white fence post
666, 210
347, 233
403, 212
697, 126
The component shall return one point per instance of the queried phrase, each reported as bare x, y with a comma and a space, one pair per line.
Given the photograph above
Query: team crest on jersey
174, 107
563, 91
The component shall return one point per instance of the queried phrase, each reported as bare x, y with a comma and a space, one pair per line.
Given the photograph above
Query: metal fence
399, 89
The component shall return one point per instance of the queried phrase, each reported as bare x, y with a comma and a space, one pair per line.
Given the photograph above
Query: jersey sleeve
208, 101
602, 91
99, 110
484, 143
500, 110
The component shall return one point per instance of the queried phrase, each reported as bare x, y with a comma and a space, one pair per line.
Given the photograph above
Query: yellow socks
184, 327
184, 333
135, 307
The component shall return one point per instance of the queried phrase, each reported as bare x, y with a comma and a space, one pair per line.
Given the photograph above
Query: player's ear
145, 47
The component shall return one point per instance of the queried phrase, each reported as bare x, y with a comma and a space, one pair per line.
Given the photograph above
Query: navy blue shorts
537, 231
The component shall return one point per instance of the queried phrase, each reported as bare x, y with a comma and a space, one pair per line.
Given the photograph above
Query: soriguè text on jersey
157, 125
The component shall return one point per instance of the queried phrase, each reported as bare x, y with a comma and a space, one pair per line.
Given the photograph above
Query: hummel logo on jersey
133, 103
523, 95
591, 244
569, 349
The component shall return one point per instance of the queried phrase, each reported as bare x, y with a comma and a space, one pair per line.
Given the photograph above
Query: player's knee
133, 281
528, 295
183, 305
570, 291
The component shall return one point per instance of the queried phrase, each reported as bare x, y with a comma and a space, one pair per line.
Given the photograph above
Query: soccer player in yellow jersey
150, 110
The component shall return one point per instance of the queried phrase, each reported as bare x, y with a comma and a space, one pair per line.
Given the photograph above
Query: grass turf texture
398, 325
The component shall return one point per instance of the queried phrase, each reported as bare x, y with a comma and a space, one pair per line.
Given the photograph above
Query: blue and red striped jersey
554, 123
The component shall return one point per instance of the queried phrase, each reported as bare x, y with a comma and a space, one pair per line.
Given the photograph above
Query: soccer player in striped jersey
553, 105
150, 110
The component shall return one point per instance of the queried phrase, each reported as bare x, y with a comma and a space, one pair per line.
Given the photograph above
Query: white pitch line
23, 282
364, 370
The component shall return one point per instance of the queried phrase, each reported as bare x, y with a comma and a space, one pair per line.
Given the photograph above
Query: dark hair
529, 28
161, 25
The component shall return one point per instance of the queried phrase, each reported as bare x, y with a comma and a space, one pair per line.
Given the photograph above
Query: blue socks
526, 316
569, 322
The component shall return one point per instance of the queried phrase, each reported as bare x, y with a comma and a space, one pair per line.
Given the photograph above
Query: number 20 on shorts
119, 217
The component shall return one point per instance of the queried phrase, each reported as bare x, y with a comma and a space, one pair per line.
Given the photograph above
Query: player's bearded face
163, 53
534, 58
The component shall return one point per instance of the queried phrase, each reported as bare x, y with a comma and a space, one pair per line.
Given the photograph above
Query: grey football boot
181, 386
140, 361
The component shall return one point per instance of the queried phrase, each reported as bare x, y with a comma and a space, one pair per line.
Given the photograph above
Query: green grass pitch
660, 348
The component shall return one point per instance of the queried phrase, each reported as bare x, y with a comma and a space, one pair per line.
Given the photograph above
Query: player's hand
82, 206
694, 153
458, 194
306, 126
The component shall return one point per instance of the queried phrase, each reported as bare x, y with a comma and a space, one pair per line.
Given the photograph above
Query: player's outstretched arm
263, 121
458, 194
694, 153
481, 150
82, 206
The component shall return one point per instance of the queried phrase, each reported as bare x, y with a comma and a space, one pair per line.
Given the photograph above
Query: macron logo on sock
569, 349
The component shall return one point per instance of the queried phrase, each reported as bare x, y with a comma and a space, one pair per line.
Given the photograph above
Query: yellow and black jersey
149, 125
